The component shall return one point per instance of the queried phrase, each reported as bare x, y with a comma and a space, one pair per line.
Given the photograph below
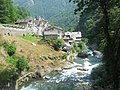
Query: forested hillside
9, 13
58, 12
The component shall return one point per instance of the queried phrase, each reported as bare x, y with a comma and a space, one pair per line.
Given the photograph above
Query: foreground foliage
109, 28
58, 44
10, 13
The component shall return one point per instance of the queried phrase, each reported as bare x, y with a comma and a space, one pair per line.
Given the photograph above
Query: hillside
57, 12
38, 55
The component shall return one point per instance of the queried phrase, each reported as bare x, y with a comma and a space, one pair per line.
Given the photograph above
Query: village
40, 27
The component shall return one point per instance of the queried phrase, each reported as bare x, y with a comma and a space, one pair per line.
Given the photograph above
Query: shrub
7, 73
9, 47
64, 56
13, 59
21, 64
75, 48
58, 44
49, 41
82, 45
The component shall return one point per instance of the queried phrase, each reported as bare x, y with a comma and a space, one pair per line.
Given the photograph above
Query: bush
21, 64
75, 48
82, 45
64, 56
7, 73
13, 59
58, 44
49, 41
10, 48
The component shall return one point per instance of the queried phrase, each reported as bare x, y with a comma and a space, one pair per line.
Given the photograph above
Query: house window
78, 37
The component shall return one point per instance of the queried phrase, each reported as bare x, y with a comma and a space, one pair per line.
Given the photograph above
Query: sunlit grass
31, 38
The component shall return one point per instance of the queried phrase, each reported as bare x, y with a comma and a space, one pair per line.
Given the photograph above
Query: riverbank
42, 59
77, 75
60, 65
56, 64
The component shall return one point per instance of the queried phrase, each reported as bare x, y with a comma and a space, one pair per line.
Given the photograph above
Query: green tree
111, 31
82, 45
22, 13
58, 44
10, 13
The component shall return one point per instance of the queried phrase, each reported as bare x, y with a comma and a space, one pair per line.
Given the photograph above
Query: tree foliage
7, 73
58, 44
10, 13
109, 27
9, 47
21, 63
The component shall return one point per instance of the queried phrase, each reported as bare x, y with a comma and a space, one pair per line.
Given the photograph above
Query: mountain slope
58, 12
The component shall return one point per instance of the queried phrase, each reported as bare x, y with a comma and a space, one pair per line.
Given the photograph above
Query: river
75, 78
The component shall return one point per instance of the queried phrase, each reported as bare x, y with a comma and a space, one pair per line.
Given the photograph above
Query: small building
34, 25
24, 23
53, 32
76, 36
70, 37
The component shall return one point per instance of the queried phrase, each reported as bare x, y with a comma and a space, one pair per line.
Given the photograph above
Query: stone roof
23, 21
52, 28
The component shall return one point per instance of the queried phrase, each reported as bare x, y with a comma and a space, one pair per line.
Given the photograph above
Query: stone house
34, 25
53, 32
24, 23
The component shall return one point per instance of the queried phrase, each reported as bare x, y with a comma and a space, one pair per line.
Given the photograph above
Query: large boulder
97, 54
83, 55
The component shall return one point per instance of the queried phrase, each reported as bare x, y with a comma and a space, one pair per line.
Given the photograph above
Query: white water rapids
78, 74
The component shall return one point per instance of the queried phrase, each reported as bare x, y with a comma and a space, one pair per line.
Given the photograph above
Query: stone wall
14, 31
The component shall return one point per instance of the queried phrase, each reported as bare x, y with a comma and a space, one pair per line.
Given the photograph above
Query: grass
32, 38
3, 65
33, 53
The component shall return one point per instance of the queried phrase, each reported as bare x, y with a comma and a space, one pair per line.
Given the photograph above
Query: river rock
80, 68
86, 59
83, 55
97, 54
33, 44
38, 74
89, 52
46, 77
81, 81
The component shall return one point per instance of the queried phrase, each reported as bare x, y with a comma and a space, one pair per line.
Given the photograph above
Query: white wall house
70, 37
76, 36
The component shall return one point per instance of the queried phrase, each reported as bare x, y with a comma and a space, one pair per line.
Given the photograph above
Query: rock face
82, 55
